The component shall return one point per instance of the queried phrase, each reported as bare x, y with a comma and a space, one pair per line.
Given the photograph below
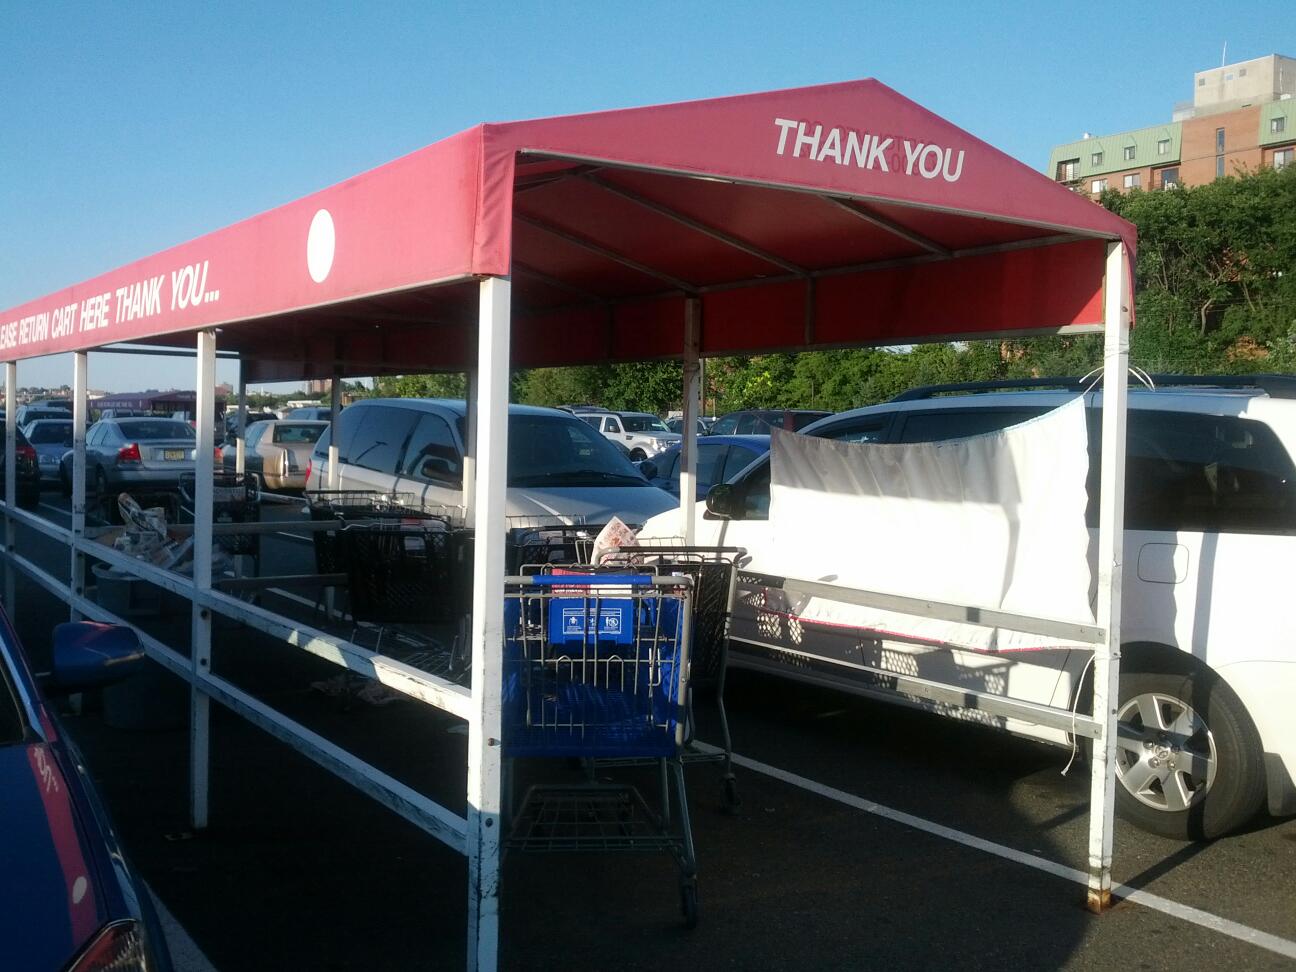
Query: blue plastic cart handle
591, 580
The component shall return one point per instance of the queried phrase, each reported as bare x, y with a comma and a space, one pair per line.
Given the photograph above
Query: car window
292, 433
51, 433
668, 466
554, 451
596, 421
726, 425
871, 429
738, 459
936, 426
432, 454
643, 423
94, 435
613, 424
137, 429
347, 425
380, 440
710, 460
1207, 473
750, 423
756, 493
254, 433
322, 444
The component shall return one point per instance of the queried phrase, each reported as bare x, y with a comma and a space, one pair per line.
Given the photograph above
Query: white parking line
1205, 919
55, 509
186, 956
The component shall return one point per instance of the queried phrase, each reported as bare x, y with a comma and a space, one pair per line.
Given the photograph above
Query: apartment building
1242, 117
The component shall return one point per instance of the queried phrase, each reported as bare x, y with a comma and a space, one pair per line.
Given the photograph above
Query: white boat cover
994, 521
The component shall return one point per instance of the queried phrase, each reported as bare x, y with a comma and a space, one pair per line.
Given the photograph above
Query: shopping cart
596, 667
714, 572
234, 500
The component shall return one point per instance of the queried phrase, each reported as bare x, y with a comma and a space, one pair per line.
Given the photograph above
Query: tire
1189, 763
638, 455
65, 484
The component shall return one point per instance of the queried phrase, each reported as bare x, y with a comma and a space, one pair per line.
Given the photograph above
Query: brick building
1242, 118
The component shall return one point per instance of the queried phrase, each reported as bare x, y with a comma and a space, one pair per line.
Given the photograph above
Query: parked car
720, 458
314, 413
135, 453
677, 425
278, 452
643, 433
231, 422
71, 899
28, 489
109, 413
1208, 663
558, 466
761, 420
51, 438
30, 413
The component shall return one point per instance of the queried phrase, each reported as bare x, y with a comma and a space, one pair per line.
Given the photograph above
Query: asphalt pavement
869, 835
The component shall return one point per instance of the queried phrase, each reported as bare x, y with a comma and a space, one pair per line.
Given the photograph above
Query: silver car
278, 452
135, 453
50, 438
558, 467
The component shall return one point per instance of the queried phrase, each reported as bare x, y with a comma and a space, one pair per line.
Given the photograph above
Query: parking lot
867, 835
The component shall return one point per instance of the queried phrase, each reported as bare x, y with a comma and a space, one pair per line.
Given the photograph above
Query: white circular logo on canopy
319, 246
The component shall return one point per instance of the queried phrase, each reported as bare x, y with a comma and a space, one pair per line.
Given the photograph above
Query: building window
1095, 158
1133, 180
1097, 186
1068, 170
1219, 167
1229, 76
1163, 146
1169, 178
1277, 125
1219, 140
1129, 153
1201, 82
1284, 157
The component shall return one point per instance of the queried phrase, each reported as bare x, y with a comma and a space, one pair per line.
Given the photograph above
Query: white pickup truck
642, 433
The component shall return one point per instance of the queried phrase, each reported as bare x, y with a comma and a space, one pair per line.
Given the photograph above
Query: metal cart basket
234, 500
596, 666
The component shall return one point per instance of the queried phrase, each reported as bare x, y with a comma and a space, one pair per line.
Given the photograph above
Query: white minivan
1207, 706
558, 467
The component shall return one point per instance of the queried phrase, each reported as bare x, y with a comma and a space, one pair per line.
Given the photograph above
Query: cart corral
812, 218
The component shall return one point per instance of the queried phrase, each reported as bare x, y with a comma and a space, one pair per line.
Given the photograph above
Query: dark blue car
68, 899
720, 457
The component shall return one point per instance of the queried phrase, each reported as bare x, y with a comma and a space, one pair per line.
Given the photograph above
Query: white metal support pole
80, 389
11, 478
240, 428
335, 401
1111, 538
692, 408
488, 625
204, 471
470, 448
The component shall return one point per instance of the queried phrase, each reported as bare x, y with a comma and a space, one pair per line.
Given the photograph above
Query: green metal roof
1278, 109
1112, 151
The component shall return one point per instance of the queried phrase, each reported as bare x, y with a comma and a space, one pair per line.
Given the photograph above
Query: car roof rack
1275, 386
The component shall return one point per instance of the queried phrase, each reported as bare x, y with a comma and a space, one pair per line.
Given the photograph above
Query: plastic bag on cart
611, 538
145, 533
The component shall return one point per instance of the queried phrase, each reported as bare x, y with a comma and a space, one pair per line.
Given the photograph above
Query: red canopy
842, 214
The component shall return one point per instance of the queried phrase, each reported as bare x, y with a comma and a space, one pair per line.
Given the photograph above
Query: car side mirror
439, 469
724, 502
648, 468
88, 654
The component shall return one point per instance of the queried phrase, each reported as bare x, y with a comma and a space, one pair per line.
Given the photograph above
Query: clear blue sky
126, 128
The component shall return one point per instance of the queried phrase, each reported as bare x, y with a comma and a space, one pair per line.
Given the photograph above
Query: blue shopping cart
596, 666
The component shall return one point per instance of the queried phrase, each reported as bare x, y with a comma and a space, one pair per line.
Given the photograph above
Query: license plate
173, 454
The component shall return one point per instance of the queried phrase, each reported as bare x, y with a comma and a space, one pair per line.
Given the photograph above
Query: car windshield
643, 423
51, 433
156, 429
547, 450
297, 433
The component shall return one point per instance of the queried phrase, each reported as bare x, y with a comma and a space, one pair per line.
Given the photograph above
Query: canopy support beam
80, 392
692, 408
11, 479
698, 226
1111, 537
484, 733
240, 428
599, 250
204, 475
861, 211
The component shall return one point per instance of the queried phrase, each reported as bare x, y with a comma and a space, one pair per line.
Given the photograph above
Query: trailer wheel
1188, 758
